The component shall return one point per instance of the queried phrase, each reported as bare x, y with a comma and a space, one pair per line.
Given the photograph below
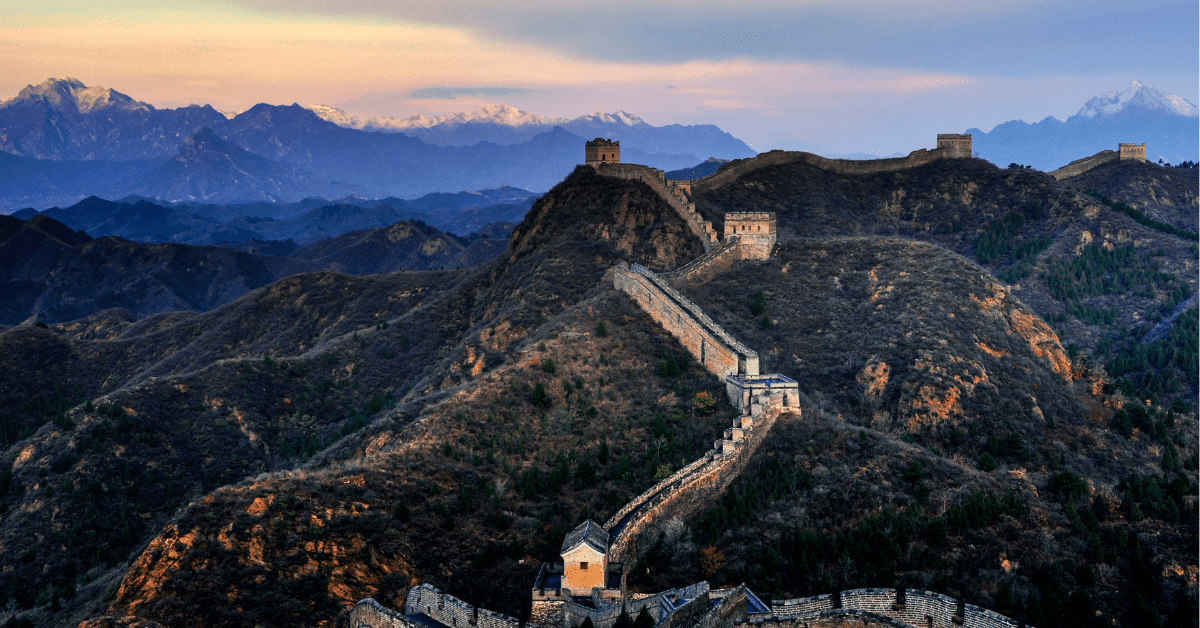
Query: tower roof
588, 532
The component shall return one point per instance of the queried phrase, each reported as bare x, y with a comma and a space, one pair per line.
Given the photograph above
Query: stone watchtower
956, 144
755, 231
1134, 152
601, 151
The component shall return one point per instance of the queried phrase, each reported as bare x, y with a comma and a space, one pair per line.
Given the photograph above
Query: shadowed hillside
1104, 279
327, 438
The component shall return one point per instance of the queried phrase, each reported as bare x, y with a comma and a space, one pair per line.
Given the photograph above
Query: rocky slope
1101, 278
370, 433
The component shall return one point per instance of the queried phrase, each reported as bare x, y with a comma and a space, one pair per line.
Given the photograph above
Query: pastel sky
839, 76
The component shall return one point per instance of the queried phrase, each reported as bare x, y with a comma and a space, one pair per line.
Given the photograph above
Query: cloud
998, 37
451, 93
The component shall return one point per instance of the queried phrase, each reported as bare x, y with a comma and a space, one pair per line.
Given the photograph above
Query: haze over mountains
1166, 123
62, 141
66, 141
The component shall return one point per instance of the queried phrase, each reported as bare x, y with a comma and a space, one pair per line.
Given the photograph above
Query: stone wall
756, 231
956, 145
674, 194
734, 169
1080, 166
452, 611
370, 614
1135, 152
707, 266
712, 347
685, 494
601, 150
606, 616
728, 611
920, 608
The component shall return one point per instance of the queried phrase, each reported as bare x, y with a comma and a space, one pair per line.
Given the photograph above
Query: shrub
759, 304
914, 471
985, 462
704, 403
668, 368
539, 397
548, 365
765, 322
601, 330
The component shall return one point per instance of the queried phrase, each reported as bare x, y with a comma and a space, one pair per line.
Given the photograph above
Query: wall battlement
1124, 152
1134, 152
956, 145
716, 350
675, 194
600, 150
909, 607
756, 231
734, 169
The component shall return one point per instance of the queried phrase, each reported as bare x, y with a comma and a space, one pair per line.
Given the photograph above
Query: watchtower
585, 558
756, 230
1134, 152
956, 144
601, 151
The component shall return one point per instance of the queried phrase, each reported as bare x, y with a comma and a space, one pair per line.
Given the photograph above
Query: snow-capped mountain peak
72, 93
621, 117
336, 116
488, 114
1138, 96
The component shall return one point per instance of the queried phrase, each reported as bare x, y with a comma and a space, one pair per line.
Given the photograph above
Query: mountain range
1166, 123
980, 413
52, 272
63, 141
143, 220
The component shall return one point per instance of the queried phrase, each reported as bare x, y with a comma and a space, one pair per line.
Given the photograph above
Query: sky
845, 76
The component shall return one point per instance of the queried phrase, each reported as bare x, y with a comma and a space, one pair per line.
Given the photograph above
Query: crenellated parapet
674, 193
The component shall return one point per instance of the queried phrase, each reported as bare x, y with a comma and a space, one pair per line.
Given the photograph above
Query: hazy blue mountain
1168, 125
668, 147
208, 168
138, 219
698, 171
62, 141
67, 120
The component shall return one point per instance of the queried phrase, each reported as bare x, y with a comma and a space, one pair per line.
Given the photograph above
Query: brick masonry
712, 346
921, 609
734, 169
675, 194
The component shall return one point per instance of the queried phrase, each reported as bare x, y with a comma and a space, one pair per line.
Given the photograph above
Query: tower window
583, 566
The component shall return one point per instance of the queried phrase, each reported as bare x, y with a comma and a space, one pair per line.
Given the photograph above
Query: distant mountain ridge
66, 141
1166, 123
141, 220
671, 147
49, 271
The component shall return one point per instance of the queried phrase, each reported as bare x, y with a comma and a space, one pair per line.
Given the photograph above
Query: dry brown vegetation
329, 437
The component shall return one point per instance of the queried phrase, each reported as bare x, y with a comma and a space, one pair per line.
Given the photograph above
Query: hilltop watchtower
755, 230
602, 151
1132, 152
956, 144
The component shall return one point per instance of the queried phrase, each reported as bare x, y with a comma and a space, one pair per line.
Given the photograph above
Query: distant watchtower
956, 144
756, 230
601, 151
1134, 152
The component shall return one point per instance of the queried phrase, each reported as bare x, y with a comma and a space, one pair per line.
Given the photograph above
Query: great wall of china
761, 399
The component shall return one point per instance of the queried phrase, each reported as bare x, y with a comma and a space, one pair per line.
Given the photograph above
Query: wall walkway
712, 346
920, 609
1080, 166
707, 266
734, 169
674, 194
